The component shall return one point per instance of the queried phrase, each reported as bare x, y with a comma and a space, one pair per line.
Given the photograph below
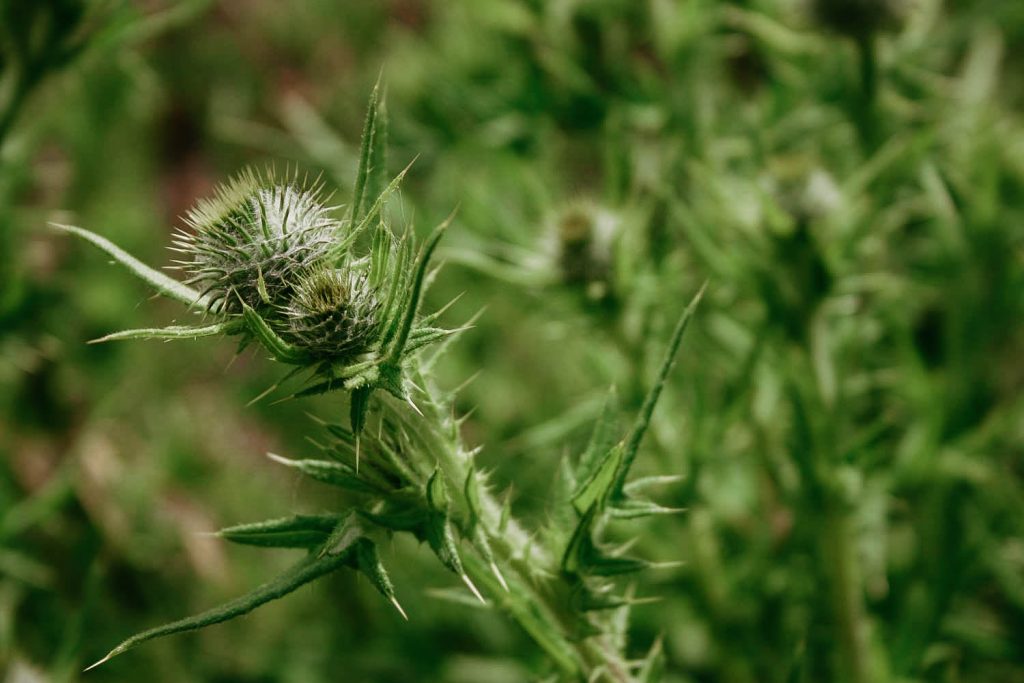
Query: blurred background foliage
847, 417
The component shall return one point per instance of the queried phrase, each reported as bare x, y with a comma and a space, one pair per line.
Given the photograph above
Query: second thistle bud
334, 315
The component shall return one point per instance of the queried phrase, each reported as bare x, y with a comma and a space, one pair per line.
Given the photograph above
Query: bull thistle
266, 261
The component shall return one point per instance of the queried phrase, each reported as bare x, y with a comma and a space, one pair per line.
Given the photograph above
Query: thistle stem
536, 606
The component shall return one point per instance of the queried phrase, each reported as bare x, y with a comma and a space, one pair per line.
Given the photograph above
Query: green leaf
398, 518
425, 336
602, 438
366, 147
368, 562
298, 531
643, 420
412, 305
595, 490
437, 492
377, 173
441, 538
173, 332
374, 211
583, 558
164, 285
471, 489
359, 405
281, 350
329, 472
308, 569
344, 536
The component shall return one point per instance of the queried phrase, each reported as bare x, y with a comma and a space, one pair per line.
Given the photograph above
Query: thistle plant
266, 261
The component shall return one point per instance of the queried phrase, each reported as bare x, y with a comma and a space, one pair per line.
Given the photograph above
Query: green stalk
534, 605
840, 552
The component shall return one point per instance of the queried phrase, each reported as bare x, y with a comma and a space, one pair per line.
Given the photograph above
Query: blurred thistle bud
334, 315
584, 233
802, 189
250, 242
860, 18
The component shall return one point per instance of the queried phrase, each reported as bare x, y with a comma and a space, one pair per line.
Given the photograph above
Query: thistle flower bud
859, 18
334, 315
584, 235
250, 241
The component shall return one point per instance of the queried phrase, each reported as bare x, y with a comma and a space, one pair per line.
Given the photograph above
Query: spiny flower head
249, 242
334, 314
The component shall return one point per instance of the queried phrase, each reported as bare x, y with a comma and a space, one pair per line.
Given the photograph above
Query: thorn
673, 564
394, 601
408, 399
499, 576
262, 395
469, 584
110, 655
279, 459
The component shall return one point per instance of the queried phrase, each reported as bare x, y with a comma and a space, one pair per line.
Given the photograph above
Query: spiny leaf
365, 147
376, 178
643, 420
602, 439
172, 332
471, 490
165, 285
398, 518
595, 490
425, 336
298, 531
583, 558
412, 305
308, 569
391, 310
437, 492
359, 405
329, 472
344, 536
281, 350
374, 211
368, 562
